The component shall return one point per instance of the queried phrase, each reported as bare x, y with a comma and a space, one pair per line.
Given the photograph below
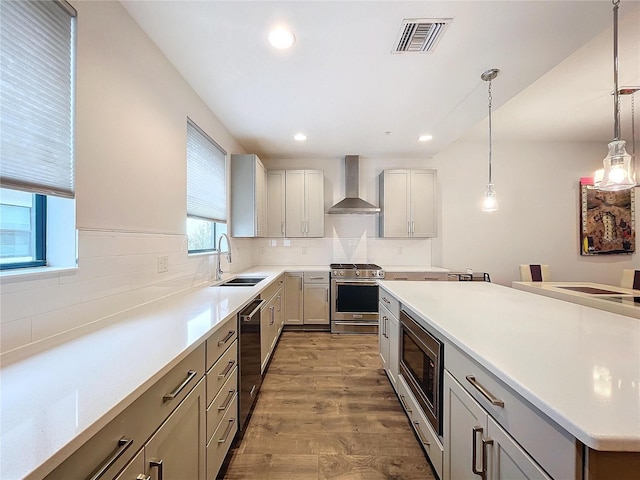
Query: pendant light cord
490, 143
616, 111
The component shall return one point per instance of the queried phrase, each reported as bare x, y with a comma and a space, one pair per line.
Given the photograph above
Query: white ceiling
342, 86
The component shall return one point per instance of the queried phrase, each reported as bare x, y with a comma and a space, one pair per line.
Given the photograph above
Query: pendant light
490, 201
618, 173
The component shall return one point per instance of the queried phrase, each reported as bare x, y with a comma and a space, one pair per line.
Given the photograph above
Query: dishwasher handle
252, 309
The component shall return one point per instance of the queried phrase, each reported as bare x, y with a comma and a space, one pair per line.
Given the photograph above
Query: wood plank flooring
326, 410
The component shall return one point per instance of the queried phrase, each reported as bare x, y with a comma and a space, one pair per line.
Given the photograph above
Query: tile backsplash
118, 271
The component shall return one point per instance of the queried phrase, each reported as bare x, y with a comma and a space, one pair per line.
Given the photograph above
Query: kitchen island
578, 366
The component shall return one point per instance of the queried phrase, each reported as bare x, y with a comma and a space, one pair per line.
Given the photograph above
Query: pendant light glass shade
617, 169
490, 201
618, 174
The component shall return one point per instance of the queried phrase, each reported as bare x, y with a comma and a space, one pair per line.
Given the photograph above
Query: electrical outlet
163, 264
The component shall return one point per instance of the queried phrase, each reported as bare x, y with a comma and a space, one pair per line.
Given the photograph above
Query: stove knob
342, 273
335, 273
357, 273
375, 273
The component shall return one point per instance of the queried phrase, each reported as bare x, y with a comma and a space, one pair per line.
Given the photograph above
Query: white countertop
580, 366
62, 393
406, 268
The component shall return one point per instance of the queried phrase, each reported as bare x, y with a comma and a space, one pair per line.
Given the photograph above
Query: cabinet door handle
123, 445
159, 465
226, 371
226, 432
227, 338
384, 326
191, 374
279, 303
282, 228
273, 314
474, 457
227, 401
316, 278
485, 393
419, 433
413, 227
404, 404
386, 300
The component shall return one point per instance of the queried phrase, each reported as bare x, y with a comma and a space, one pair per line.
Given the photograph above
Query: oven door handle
371, 282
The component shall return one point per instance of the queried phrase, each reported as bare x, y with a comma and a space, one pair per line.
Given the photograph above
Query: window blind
206, 176
37, 70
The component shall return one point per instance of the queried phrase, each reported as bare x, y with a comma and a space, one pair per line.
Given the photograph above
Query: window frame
40, 243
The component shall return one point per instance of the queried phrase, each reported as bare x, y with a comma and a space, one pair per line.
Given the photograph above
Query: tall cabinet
275, 203
248, 196
408, 203
304, 211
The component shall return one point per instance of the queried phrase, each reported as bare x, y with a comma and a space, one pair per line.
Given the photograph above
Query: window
206, 190
37, 70
22, 229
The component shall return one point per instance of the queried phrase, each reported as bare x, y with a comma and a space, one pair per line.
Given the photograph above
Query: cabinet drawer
552, 447
220, 404
221, 440
426, 436
221, 371
390, 302
268, 293
316, 277
219, 341
114, 445
416, 276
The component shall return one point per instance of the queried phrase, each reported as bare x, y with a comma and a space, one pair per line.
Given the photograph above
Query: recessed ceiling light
300, 137
281, 38
425, 138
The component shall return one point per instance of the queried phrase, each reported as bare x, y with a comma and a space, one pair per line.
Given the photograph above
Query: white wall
131, 114
538, 219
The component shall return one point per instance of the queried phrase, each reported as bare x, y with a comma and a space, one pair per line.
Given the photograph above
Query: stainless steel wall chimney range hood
353, 204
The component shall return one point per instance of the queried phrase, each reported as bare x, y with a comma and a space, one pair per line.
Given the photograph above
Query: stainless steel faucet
219, 271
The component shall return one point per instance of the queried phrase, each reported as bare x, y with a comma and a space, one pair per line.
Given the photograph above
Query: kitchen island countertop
578, 365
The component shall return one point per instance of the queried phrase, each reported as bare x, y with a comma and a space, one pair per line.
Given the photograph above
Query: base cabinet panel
474, 441
221, 440
177, 449
134, 469
316, 304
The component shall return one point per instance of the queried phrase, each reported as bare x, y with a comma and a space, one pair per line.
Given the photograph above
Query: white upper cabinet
408, 203
248, 196
275, 203
304, 211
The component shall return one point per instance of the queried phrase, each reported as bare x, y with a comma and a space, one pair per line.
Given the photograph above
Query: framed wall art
607, 221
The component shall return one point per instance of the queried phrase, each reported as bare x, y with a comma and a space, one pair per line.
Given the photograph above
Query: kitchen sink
242, 282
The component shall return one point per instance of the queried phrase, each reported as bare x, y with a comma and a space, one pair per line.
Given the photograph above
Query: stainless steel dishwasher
250, 359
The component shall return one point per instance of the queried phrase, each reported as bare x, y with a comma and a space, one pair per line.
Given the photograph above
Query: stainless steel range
354, 297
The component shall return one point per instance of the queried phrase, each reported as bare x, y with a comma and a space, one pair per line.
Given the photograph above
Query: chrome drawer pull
227, 431
191, 374
485, 393
474, 460
143, 477
400, 278
226, 371
158, 464
419, 433
123, 445
404, 404
386, 300
227, 338
227, 401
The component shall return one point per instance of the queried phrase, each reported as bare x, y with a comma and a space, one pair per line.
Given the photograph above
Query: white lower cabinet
425, 433
389, 342
476, 446
307, 298
177, 449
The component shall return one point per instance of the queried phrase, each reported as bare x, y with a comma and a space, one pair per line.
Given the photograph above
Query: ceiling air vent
420, 35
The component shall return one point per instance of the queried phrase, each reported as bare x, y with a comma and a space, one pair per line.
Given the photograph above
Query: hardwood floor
326, 410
